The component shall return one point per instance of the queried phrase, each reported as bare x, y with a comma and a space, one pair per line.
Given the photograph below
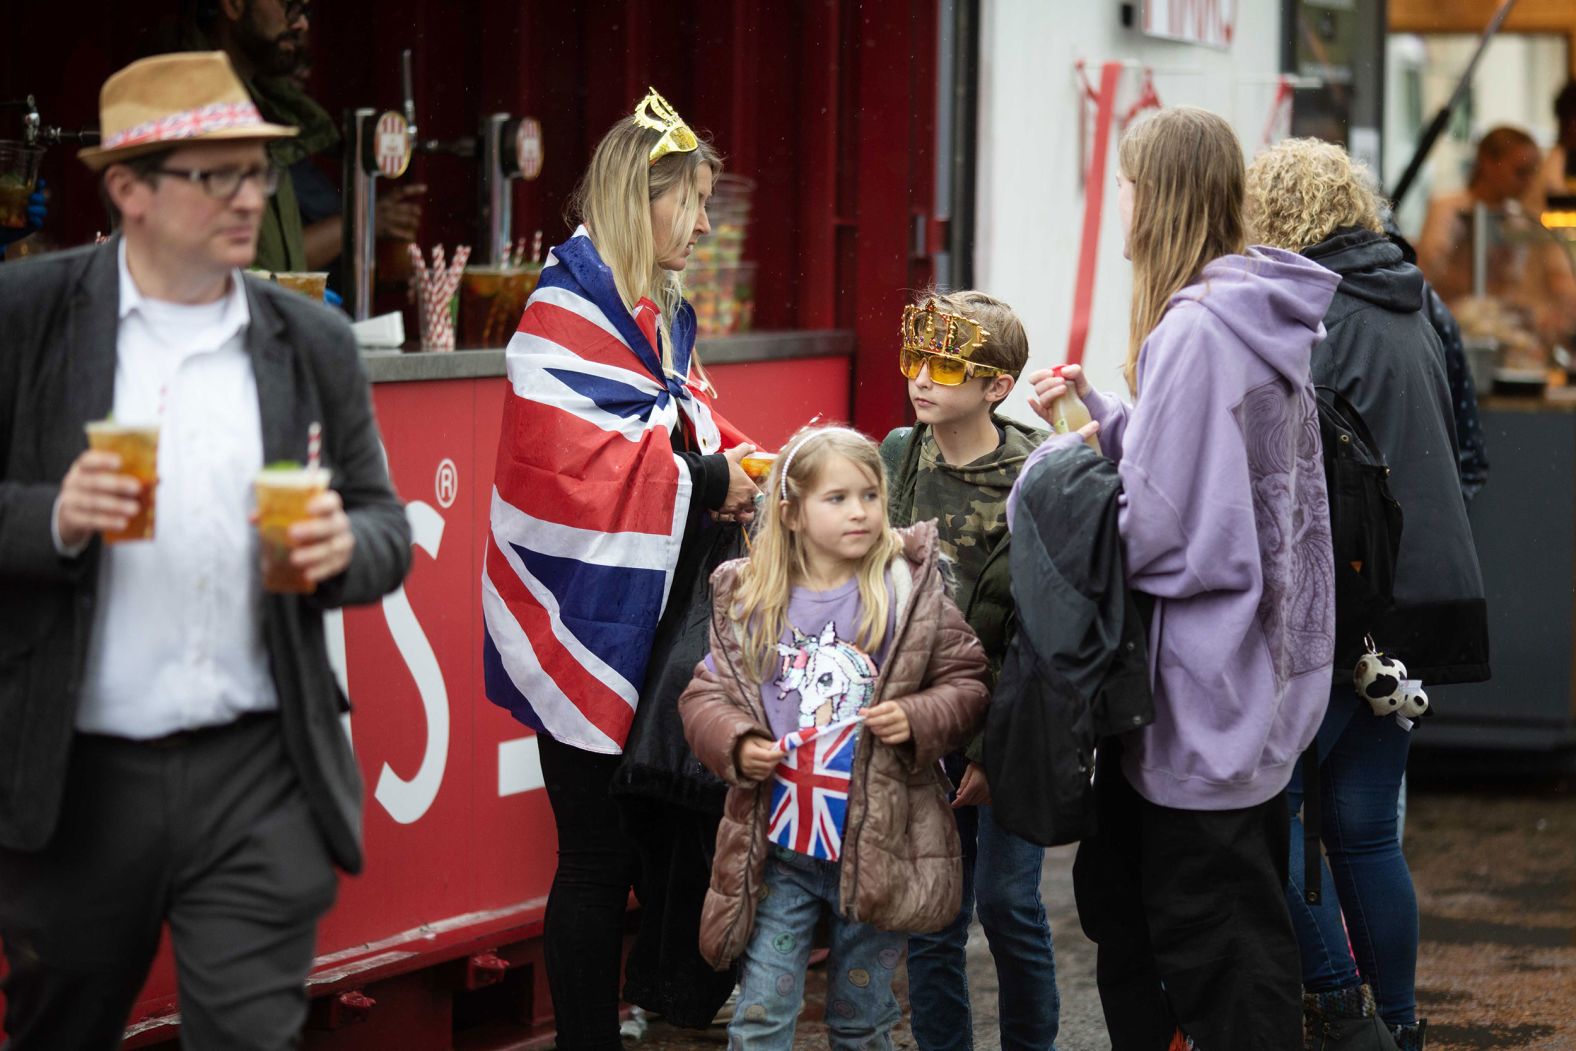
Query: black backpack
1365, 523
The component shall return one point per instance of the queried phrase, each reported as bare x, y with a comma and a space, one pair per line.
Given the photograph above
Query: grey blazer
58, 326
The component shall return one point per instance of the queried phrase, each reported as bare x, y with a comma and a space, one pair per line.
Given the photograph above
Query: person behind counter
1526, 268
1382, 353
606, 468
266, 41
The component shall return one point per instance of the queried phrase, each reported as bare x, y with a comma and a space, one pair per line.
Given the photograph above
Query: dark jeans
584, 934
211, 835
1188, 910
1001, 877
1362, 759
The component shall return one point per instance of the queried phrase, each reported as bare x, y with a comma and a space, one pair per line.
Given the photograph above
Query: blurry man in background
266, 41
1526, 269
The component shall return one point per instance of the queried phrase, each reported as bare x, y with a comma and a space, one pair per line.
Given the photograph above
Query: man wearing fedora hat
171, 747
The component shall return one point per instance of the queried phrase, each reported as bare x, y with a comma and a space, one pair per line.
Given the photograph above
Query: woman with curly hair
1381, 352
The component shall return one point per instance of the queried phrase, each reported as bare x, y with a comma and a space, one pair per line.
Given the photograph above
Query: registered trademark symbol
447, 484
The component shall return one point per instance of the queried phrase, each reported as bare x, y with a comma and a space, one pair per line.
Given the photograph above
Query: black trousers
597, 867
1188, 910
212, 835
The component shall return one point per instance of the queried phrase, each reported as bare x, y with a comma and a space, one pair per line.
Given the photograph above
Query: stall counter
768, 383
1524, 524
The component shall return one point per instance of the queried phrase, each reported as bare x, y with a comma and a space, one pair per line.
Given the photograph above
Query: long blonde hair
777, 560
1187, 173
614, 200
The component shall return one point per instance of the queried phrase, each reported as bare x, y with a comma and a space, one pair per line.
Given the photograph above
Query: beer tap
36, 133
505, 148
376, 144
510, 148
407, 83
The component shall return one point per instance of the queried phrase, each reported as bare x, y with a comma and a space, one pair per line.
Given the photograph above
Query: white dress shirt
177, 639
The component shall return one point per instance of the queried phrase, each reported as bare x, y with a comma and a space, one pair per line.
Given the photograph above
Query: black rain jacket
1382, 353
1077, 669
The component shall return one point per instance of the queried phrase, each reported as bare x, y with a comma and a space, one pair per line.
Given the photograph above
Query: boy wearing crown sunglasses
961, 354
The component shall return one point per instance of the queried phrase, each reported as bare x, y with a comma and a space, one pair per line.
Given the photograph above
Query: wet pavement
1495, 871
1494, 865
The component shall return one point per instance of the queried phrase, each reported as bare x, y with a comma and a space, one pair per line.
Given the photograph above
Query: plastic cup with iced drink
283, 493
757, 464
310, 283
18, 175
492, 298
138, 449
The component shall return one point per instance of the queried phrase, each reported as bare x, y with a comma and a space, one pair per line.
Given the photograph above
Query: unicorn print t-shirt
823, 680
823, 676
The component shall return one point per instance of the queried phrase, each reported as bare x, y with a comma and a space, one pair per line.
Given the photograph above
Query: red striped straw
432, 287
536, 247
462, 255
314, 444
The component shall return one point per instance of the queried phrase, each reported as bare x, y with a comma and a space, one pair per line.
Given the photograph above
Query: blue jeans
1001, 876
861, 1008
1362, 758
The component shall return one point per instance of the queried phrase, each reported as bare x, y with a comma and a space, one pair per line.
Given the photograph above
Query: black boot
1344, 1020
1410, 1037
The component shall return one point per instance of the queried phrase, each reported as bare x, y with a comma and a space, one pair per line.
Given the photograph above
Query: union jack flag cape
810, 789
589, 501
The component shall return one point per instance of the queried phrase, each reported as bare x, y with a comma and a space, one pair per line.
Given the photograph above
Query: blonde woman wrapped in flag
610, 460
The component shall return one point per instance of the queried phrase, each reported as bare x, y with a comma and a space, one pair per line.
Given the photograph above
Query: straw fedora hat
169, 100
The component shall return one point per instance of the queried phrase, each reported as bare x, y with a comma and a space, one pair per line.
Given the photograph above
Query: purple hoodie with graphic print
1224, 519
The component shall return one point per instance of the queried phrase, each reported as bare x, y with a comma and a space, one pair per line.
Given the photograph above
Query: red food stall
830, 107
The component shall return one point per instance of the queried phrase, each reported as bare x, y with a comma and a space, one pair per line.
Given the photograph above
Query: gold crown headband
930, 331
655, 113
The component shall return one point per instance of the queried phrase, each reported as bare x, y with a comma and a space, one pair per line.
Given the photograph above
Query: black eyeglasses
224, 183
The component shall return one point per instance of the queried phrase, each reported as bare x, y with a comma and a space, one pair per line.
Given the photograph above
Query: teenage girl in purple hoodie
1225, 523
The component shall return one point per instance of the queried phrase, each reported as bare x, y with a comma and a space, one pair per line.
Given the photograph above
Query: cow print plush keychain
1382, 682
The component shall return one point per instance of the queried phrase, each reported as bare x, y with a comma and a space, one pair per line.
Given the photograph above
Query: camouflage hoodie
969, 502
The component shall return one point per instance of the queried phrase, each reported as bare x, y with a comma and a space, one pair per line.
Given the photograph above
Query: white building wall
1031, 200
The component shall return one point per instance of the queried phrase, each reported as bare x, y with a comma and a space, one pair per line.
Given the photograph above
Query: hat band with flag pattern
187, 124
